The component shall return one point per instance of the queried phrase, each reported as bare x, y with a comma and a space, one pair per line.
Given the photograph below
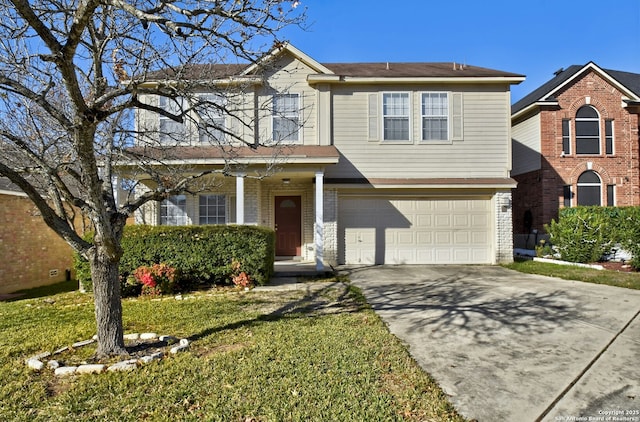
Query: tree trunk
108, 304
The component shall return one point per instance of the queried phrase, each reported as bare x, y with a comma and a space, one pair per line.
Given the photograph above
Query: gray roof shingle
630, 80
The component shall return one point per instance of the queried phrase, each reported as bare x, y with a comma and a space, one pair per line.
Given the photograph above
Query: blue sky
534, 38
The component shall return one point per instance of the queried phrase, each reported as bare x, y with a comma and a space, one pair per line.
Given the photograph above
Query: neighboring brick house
396, 163
31, 254
575, 142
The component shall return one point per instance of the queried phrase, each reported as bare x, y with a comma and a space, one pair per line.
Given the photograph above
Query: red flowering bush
157, 279
239, 277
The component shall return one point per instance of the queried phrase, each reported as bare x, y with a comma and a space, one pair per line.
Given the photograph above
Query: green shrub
581, 234
585, 234
201, 254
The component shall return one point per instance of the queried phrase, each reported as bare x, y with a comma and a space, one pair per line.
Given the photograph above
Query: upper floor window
566, 136
211, 127
435, 116
587, 131
169, 128
213, 209
589, 189
173, 211
395, 115
608, 137
286, 117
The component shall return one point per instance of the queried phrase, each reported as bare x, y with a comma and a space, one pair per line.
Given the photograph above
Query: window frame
609, 137
276, 115
220, 102
566, 136
173, 106
179, 211
406, 116
578, 136
446, 116
584, 185
206, 218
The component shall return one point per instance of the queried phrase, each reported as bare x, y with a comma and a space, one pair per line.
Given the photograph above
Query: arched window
587, 131
589, 189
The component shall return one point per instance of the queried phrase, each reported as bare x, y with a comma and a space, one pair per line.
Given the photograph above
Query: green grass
270, 356
568, 272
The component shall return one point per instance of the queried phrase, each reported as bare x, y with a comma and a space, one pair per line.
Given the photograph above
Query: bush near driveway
586, 234
200, 254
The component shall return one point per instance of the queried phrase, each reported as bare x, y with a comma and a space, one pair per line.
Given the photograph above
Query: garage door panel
415, 231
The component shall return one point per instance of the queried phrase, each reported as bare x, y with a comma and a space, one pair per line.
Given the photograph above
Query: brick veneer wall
29, 249
504, 227
545, 196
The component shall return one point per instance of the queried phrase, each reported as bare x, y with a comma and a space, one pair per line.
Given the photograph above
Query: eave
425, 183
312, 79
534, 106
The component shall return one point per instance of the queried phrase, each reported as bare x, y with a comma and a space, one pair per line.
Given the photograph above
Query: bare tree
71, 74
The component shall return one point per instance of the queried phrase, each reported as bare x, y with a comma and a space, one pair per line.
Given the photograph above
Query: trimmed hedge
201, 254
585, 234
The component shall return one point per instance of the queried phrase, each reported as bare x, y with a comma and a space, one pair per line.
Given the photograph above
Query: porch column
240, 198
319, 229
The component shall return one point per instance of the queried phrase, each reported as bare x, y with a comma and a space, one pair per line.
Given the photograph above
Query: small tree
71, 74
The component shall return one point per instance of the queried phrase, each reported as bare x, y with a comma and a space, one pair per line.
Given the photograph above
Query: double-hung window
211, 126
213, 209
435, 116
173, 211
170, 129
395, 116
587, 131
286, 117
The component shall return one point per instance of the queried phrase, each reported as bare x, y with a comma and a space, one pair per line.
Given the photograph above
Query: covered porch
289, 197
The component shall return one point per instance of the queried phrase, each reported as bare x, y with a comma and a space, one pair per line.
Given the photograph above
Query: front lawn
630, 280
255, 356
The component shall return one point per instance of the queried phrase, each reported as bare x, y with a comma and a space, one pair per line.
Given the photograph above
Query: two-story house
575, 142
395, 163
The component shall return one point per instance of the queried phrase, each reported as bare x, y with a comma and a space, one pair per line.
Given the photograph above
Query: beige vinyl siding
483, 151
526, 146
288, 76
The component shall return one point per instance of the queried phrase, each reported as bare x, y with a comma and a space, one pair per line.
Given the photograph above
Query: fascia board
532, 107
413, 80
597, 69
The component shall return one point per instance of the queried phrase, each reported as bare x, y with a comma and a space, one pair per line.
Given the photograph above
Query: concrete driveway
507, 346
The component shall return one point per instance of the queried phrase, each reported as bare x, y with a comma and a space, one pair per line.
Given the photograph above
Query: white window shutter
456, 116
373, 117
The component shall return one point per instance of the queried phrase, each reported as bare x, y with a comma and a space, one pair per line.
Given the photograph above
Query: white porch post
319, 232
240, 198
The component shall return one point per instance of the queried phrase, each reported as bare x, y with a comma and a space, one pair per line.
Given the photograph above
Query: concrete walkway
507, 346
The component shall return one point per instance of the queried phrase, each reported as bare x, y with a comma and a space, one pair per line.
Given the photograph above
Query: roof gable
626, 82
287, 48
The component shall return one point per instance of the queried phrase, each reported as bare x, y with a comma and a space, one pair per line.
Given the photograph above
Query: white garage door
415, 231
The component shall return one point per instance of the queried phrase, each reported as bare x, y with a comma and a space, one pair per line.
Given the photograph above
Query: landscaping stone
148, 336
39, 356
82, 343
90, 369
64, 371
178, 349
35, 364
125, 365
60, 350
151, 358
168, 339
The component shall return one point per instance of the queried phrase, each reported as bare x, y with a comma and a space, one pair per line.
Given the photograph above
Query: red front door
288, 216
